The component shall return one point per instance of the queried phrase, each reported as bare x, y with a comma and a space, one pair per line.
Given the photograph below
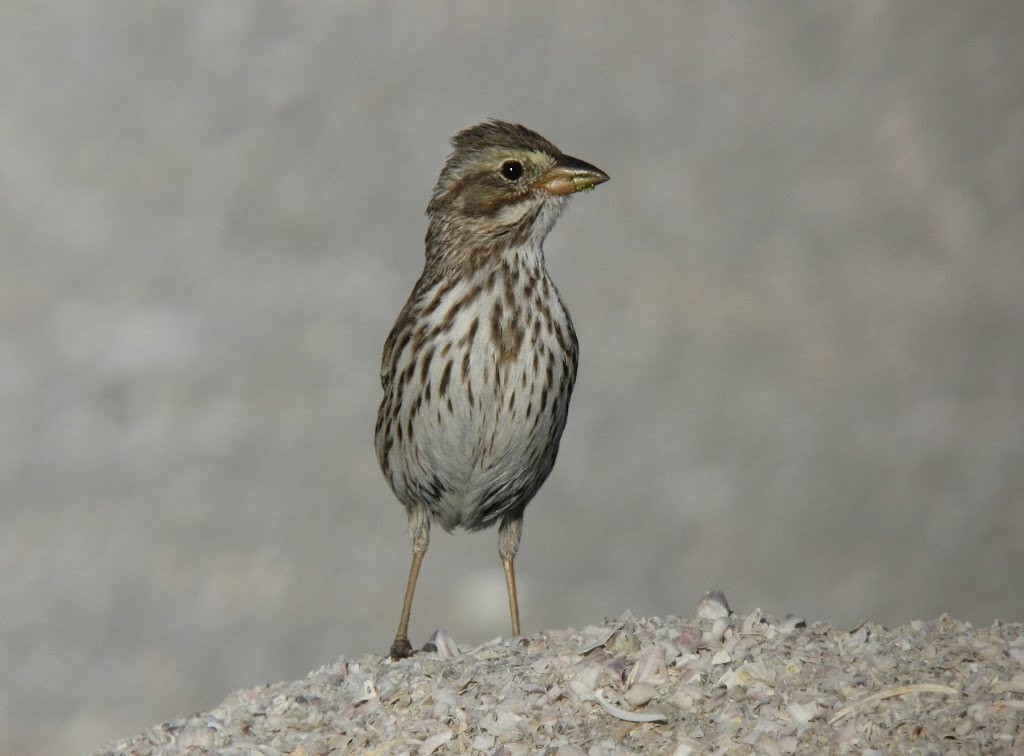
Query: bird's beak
569, 175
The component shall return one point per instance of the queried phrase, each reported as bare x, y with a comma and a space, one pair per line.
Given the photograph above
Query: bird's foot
401, 648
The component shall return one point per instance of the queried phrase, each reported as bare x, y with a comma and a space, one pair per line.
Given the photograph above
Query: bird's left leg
509, 533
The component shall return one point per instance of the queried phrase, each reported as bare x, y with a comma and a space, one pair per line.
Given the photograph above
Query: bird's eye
511, 170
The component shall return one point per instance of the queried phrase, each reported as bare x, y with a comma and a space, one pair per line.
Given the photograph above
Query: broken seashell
196, 736
712, 605
443, 644
503, 722
802, 714
668, 649
650, 668
434, 742
622, 644
628, 716
716, 635
746, 675
639, 694
721, 657
594, 636
792, 623
754, 618
369, 690
689, 639
588, 674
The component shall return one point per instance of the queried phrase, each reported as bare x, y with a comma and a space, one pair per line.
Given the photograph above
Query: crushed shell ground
721, 683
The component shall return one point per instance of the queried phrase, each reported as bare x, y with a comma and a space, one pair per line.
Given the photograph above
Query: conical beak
570, 175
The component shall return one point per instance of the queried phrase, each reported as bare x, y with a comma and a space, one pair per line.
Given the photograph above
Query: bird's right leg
419, 537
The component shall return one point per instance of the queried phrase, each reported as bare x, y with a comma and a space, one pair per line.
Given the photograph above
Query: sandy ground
718, 684
798, 302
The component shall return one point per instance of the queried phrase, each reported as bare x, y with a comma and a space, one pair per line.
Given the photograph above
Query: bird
481, 362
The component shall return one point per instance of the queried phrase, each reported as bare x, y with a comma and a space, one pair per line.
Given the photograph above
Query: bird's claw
400, 648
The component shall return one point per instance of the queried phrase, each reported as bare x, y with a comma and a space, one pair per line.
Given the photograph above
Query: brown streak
442, 388
440, 293
425, 363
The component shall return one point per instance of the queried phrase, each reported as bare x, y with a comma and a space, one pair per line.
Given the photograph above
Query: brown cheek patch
484, 195
478, 196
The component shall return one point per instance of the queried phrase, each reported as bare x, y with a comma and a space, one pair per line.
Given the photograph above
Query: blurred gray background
800, 303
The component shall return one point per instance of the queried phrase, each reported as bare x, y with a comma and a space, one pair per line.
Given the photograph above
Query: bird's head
504, 182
